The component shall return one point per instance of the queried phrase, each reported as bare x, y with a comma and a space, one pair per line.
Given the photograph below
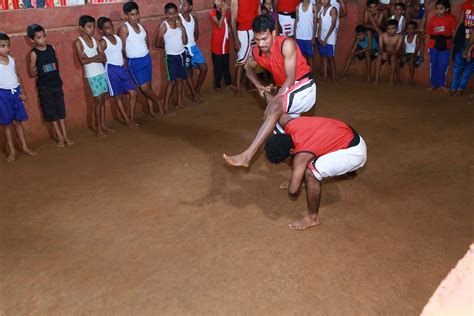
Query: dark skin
274, 109
355, 52
373, 18
87, 32
133, 18
195, 89
390, 44
328, 61
174, 22
108, 31
411, 59
301, 173
59, 126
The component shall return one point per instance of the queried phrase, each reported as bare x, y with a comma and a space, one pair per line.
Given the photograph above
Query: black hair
101, 21
129, 7
263, 8
84, 19
360, 29
401, 5
413, 23
169, 6
4, 37
444, 3
218, 13
277, 148
263, 23
32, 29
190, 2
369, 2
392, 22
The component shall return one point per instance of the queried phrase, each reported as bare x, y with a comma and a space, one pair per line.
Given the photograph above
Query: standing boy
243, 12
390, 44
327, 34
411, 50
197, 59
118, 77
44, 66
12, 95
172, 37
92, 57
135, 39
306, 19
287, 16
373, 18
399, 15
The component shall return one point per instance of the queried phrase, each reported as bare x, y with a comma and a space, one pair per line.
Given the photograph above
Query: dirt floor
151, 221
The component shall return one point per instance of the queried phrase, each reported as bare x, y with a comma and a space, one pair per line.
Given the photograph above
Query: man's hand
237, 44
263, 89
313, 41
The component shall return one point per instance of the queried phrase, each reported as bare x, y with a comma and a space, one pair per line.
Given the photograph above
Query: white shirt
189, 27
92, 69
326, 25
114, 52
305, 27
8, 77
135, 45
173, 40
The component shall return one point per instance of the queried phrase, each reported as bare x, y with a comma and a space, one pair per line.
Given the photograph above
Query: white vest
400, 23
92, 69
326, 25
189, 27
305, 27
173, 40
135, 45
8, 77
114, 52
410, 47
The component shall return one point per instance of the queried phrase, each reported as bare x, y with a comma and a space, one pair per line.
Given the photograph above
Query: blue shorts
11, 107
325, 51
119, 80
176, 66
140, 69
197, 57
306, 47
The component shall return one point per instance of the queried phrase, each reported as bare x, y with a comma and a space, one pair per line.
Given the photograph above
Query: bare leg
202, 76
313, 197
190, 84
59, 134
62, 125
368, 63
120, 108
239, 73
325, 68
102, 117
169, 90
133, 104
21, 136
411, 65
273, 112
377, 69
98, 116
347, 66
11, 151
179, 88
152, 98
393, 69
332, 63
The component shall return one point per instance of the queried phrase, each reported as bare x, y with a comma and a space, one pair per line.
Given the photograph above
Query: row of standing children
104, 69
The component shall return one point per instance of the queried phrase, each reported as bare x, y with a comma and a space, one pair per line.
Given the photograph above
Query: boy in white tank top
135, 40
411, 50
118, 77
92, 57
399, 15
305, 29
327, 34
197, 59
172, 37
12, 95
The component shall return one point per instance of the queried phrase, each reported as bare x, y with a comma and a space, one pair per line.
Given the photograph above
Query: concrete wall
61, 26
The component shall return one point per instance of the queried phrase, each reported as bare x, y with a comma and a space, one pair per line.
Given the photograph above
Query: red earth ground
151, 221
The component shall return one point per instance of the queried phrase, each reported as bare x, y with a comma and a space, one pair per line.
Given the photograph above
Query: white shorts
246, 39
339, 162
287, 24
298, 99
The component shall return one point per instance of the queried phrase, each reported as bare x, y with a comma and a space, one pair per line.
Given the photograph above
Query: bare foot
60, 143
431, 89
197, 100
69, 141
108, 130
28, 151
286, 184
237, 94
11, 157
444, 89
306, 222
135, 123
237, 160
452, 93
100, 134
129, 124
182, 106
217, 90
200, 97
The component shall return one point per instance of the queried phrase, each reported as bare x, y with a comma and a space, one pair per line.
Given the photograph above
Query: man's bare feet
200, 97
135, 123
306, 222
182, 106
60, 143
108, 130
237, 160
69, 141
29, 152
444, 89
11, 157
217, 90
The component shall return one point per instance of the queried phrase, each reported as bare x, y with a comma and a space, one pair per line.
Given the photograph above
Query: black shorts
52, 103
373, 54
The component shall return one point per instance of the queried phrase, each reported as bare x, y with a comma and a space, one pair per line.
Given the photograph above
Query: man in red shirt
315, 148
297, 93
287, 15
242, 12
